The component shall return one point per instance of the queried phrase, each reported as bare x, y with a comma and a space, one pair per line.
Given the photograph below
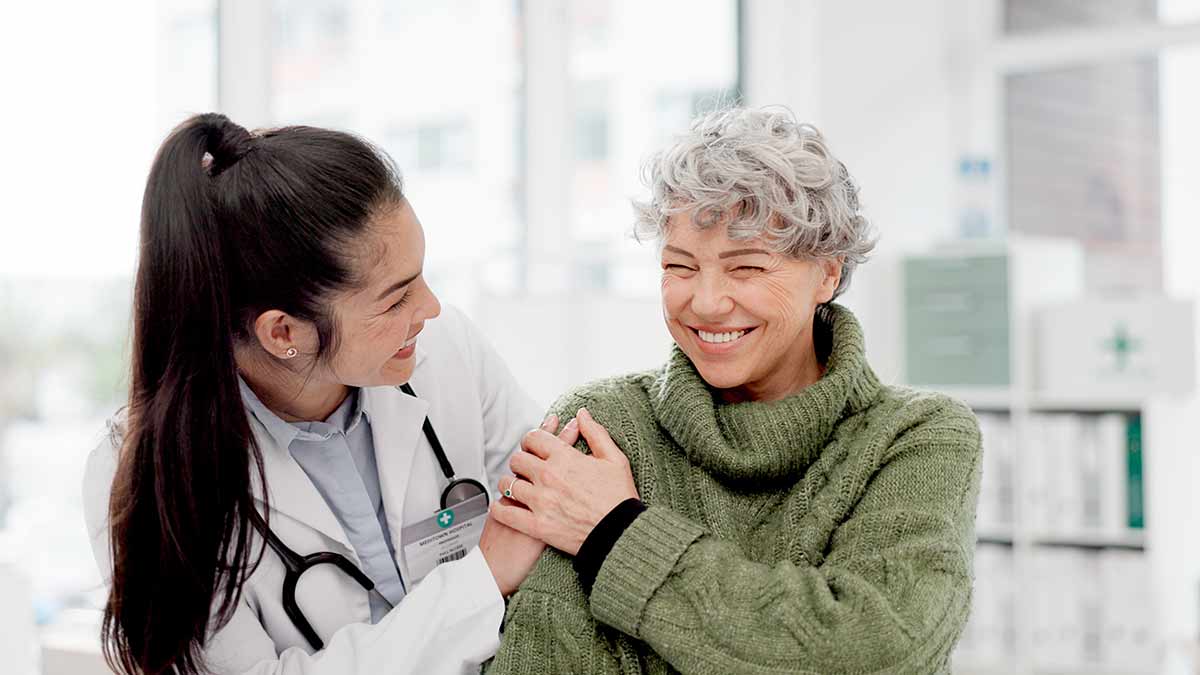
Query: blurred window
1085, 159
638, 74
439, 87
1093, 149
1035, 16
66, 269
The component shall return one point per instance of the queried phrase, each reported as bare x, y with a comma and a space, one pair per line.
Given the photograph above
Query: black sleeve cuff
603, 537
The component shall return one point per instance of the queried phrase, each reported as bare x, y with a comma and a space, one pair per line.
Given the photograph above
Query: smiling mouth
407, 346
720, 338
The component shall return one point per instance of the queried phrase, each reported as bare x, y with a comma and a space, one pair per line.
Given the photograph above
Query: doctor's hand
563, 493
511, 555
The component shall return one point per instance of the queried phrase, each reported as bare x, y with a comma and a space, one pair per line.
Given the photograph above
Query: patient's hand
563, 493
510, 554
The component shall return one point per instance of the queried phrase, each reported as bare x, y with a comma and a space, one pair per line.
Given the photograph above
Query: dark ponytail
233, 224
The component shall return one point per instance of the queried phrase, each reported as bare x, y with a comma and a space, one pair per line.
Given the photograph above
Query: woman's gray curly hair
765, 174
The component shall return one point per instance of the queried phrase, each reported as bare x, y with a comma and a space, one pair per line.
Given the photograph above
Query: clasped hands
557, 494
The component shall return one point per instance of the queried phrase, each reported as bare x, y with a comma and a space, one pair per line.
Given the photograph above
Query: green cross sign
1122, 345
445, 518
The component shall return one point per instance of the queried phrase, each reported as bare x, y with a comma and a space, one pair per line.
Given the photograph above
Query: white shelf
1090, 669
967, 666
979, 398
1075, 403
1001, 399
1134, 539
994, 535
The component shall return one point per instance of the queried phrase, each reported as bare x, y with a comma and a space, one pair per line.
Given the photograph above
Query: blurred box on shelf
1128, 639
995, 512
1092, 611
990, 636
1083, 479
1115, 349
1058, 607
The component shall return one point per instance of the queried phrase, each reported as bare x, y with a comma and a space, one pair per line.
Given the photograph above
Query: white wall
18, 642
555, 342
1176, 474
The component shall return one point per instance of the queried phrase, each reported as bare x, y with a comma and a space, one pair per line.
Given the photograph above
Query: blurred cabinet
956, 318
1073, 563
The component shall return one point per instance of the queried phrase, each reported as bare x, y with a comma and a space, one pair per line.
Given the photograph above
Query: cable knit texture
829, 532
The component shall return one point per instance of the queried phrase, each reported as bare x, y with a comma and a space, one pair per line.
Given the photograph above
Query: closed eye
677, 267
749, 268
399, 303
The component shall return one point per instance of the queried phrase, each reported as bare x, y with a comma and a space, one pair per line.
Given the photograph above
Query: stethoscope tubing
295, 564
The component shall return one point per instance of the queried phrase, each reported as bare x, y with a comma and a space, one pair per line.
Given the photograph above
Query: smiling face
376, 321
379, 321
741, 312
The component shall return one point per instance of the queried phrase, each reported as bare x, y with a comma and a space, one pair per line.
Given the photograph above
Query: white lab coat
449, 622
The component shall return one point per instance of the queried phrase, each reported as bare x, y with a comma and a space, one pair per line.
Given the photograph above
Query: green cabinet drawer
951, 272
957, 321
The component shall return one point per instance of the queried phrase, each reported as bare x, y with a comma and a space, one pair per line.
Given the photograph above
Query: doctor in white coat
279, 306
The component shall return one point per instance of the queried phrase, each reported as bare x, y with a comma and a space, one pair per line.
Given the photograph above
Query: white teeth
718, 338
409, 343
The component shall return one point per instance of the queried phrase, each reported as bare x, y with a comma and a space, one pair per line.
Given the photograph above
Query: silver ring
508, 492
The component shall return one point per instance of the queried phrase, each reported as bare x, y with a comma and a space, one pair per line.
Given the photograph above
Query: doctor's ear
282, 335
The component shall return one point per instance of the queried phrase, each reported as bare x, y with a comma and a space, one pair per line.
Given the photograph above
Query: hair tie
227, 144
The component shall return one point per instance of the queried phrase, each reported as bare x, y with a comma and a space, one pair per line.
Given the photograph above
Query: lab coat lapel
396, 420
292, 493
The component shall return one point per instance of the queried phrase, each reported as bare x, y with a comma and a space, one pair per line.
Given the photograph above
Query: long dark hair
233, 224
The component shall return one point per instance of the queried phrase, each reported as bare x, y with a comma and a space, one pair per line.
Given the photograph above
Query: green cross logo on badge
445, 518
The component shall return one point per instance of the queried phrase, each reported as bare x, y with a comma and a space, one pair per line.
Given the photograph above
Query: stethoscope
458, 490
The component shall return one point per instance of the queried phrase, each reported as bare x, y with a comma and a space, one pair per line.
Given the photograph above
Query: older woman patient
763, 503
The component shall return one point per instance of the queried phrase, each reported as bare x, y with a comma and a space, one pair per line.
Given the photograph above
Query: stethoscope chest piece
459, 490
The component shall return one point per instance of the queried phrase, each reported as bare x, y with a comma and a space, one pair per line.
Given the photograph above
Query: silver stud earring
291, 353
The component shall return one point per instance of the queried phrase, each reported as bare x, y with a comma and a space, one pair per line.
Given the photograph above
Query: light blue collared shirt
338, 455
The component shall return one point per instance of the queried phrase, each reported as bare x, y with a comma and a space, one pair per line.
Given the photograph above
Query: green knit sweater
829, 532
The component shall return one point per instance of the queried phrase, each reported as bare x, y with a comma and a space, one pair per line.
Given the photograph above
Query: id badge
449, 535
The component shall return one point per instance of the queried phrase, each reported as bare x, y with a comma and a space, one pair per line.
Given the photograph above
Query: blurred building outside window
638, 73
1089, 145
1030, 17
439, 87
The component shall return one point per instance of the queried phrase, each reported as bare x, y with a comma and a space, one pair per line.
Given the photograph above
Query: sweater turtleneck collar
766, 441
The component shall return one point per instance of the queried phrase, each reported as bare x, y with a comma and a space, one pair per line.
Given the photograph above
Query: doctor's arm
448, 624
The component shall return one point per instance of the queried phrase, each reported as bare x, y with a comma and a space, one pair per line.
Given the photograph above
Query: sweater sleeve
552, 632
891, 595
